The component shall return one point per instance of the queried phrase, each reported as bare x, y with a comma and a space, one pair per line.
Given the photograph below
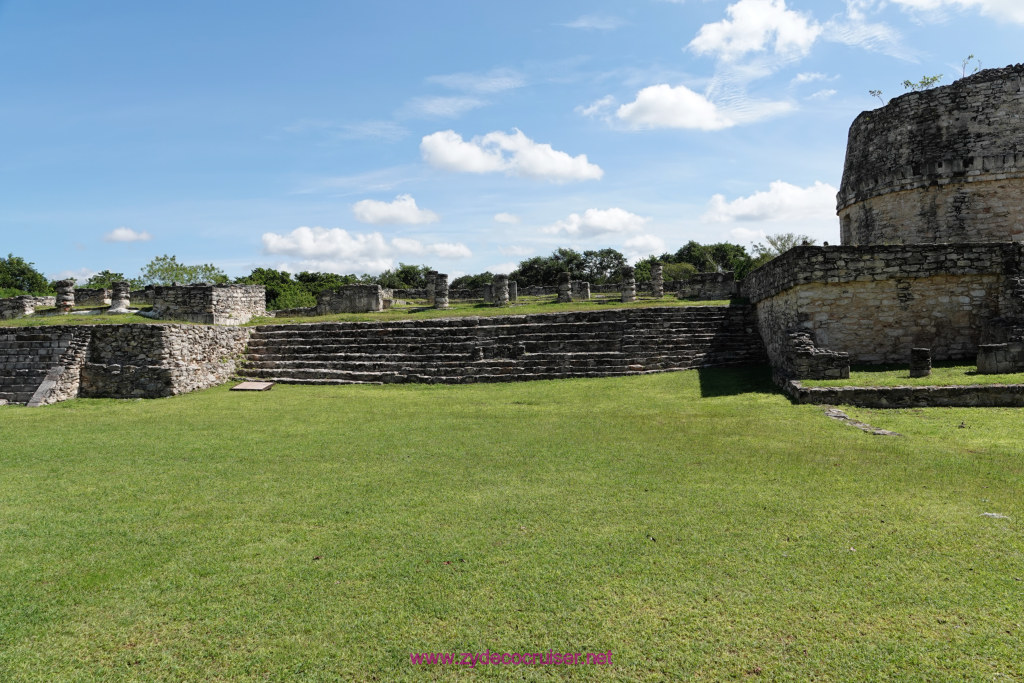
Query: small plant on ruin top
878, 94
923, 84
966, 62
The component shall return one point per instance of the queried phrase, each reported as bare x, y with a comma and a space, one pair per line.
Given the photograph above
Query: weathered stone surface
708, 286
499, 290
20, 306
564, 288
1006, 357
65, 295
92, 297
657, 281
119, 298
972, 395
628, 284
431, 286
513, 290
350, 299
940, 165
920, 362
441, 290
579, 290
209, 304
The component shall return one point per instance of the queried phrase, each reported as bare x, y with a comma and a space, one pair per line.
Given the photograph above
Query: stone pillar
499, 290
564, 288
65, 296
431, 284
513, 290
441, 290
657, 281
488, 292
628, 284
920, 362
120, 299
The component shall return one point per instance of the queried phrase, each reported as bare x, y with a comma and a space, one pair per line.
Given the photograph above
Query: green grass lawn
943, 374
695, 524
418, 310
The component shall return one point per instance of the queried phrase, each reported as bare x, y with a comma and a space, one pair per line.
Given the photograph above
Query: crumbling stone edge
962, 396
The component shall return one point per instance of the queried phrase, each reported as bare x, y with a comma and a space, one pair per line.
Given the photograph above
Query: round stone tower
941, 165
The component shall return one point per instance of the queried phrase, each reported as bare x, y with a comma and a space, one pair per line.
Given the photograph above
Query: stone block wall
152, 361
20, 306
350, 299
878, 302
708, 286
940, 165
210, 304
92, 297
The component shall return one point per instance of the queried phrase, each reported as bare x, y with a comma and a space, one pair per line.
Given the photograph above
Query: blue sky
349, 137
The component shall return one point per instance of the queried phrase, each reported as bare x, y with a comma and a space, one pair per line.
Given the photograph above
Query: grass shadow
733, 381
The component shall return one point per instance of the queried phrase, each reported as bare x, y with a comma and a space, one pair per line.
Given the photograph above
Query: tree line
285, 290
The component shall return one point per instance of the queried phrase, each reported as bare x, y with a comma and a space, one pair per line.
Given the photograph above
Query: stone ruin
931, 210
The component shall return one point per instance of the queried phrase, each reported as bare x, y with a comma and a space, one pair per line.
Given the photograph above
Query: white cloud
782, 202
664, 106
513, 250
1010, 10
822, 94
401, 211
645, 245
757, 26
388, 131
514, 154
598, 107
502, 268
509, 218
810, 77
747, 235
596, 22
123, 234
598, 222
442, 107
339, 251
80, 275
449, 250
496, 80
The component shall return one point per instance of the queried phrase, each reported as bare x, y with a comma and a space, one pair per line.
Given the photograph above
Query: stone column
657, 281
513, 290
120, 299
628, 284
488, 292
499, 290
431, 284
441, 290
920, 362
564, 288
65, 296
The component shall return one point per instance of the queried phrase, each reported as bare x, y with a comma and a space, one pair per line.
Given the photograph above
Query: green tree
281, 290
602, 266
105, 279
405, 276
923, 84
472, 281
544, 270
20, 276
165, 270
314, 283
775, 245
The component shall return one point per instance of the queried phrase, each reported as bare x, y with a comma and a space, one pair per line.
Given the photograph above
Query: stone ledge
961, 396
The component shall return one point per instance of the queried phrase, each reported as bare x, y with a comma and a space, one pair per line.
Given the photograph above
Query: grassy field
417, 310
412, 310
695, 524
943, 374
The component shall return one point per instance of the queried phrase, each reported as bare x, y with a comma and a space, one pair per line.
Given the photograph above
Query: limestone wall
708, 286
92, 297
151, 361
210, 304
940, 165
351, 299
19, 306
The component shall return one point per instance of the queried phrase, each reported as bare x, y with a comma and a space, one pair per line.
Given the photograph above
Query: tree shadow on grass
732, 381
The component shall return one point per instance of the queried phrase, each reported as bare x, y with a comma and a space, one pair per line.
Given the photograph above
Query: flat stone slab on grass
252, 386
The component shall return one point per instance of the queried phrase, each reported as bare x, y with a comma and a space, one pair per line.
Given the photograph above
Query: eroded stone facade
210, 304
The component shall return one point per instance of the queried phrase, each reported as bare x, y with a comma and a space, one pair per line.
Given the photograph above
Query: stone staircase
505, 348
31, 359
